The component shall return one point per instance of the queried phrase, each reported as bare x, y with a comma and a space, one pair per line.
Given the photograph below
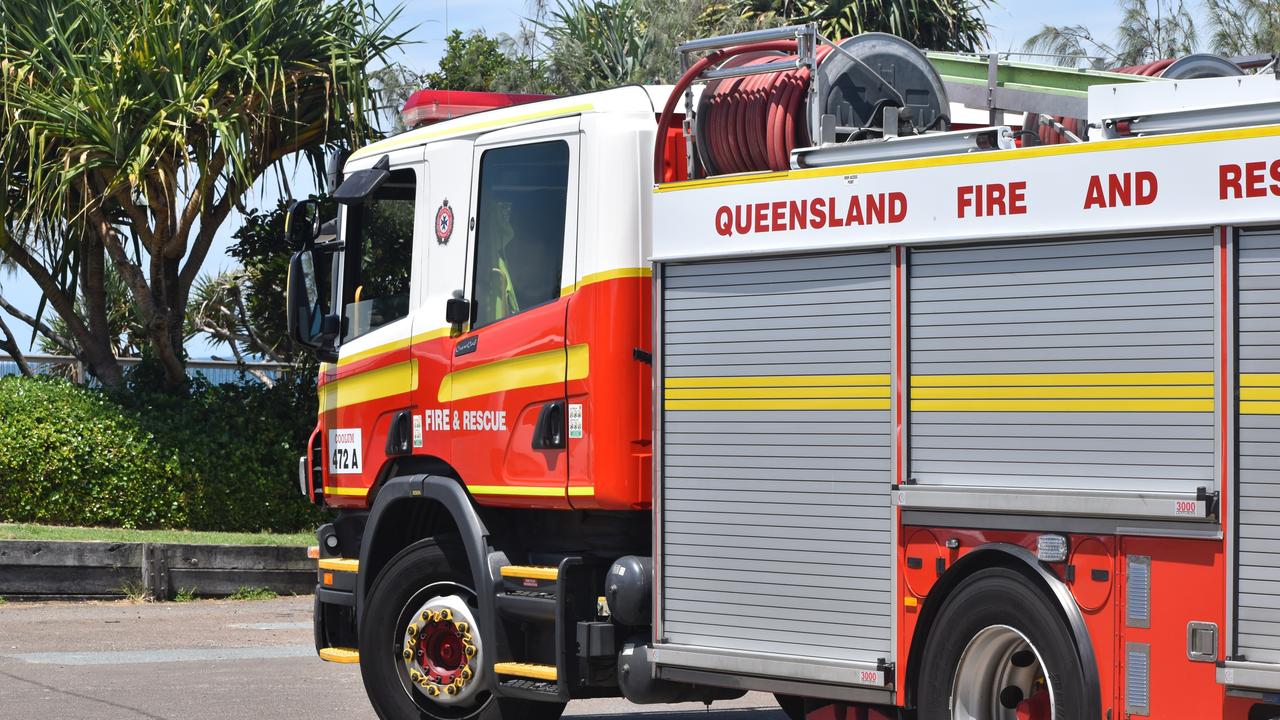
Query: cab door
511, 363
371, 383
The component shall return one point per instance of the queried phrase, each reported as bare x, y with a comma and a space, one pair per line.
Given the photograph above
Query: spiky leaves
129, 129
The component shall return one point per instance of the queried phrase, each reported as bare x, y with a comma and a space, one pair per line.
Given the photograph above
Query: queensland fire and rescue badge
444, 223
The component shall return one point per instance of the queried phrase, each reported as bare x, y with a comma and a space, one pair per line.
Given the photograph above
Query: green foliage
470, 62
214, 458
253, 593
129, 130
1149, 30
185, 595
933, 24
1244, 27
600, 44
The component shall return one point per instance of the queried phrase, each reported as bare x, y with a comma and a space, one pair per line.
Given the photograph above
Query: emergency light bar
425, 107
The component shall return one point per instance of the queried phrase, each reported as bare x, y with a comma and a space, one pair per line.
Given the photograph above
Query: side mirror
302, 223
307, 300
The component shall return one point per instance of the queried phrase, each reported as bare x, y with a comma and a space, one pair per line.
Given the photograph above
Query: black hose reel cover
856, 96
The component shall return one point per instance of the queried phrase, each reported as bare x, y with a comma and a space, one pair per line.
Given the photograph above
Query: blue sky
429, 21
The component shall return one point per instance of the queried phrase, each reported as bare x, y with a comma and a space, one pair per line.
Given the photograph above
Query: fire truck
893, 383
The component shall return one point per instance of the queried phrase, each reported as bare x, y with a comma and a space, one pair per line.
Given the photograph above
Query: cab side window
379, 244
520, 228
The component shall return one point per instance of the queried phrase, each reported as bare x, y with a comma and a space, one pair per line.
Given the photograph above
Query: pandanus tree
130, 130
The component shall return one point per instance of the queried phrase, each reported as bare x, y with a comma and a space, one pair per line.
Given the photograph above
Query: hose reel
769, 92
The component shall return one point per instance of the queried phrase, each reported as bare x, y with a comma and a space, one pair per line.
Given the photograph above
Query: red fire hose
750, 123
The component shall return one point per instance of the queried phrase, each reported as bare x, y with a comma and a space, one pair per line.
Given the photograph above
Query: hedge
213, 458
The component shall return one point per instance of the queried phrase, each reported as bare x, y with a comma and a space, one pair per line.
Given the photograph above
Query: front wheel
421, 657
1000, 651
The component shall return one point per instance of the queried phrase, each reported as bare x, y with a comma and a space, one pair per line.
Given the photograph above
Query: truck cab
528, 222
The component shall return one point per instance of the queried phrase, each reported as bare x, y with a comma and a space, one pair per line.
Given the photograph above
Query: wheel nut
426, 616
461, 627
415, 676
411, 630
469, 650
408, 653
446, 614
465, 674
433, 691
450, 690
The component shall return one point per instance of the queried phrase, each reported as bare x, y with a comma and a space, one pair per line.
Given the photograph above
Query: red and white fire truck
798, 377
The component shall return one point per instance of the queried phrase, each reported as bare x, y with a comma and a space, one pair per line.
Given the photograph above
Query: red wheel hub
1036, 707
442, 652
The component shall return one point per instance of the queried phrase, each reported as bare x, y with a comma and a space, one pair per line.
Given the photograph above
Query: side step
340, 655
532, 671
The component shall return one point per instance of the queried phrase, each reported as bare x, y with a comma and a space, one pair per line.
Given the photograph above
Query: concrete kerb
38, 569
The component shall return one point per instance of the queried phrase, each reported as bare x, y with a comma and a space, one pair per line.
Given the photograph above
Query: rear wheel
420, 652
1000, 651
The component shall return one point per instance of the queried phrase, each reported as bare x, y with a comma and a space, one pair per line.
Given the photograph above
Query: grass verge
55, 532
253, 593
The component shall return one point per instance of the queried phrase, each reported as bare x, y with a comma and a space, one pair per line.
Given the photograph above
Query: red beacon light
426, 107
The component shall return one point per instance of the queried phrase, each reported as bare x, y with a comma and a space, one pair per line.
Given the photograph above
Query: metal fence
216, 372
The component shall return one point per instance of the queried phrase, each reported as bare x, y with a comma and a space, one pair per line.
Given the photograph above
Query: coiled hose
750, 123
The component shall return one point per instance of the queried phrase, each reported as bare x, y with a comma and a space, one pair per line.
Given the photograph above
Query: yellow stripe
419, 137
983, 157
1259, 393
345, 491
1260, 408
1054, 379
393, 345
779, 381
795, 393
340, 655
519, 491
522, 371
526, 670
339, 564
628, 272
396, 379
1036, 405
783, 404
1260, 380
1076, 391
535, 572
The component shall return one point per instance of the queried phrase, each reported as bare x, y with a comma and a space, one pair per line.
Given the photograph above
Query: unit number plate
344, 451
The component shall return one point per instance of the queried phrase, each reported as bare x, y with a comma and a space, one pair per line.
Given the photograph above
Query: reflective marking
981, 157
396, 379
142, 657
522, 371
273, 626
778, 392
515, 490
1064, 392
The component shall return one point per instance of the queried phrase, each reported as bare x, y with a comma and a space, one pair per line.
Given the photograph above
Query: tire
792, 706
427, 569
994, 616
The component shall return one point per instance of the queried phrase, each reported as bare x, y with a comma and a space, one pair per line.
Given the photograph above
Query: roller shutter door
1258, 601
775, 457
1072, 365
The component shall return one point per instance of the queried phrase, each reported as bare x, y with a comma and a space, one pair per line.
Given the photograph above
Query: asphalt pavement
213, 660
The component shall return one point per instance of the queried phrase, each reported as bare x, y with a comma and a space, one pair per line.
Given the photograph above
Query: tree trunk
10, 346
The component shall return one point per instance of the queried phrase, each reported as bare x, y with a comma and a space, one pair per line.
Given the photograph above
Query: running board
340, 655
532, 671
531, 572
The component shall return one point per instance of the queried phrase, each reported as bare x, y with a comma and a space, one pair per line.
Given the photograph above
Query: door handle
548, 433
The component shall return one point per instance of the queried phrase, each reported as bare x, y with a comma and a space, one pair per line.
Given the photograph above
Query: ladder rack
984, 81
